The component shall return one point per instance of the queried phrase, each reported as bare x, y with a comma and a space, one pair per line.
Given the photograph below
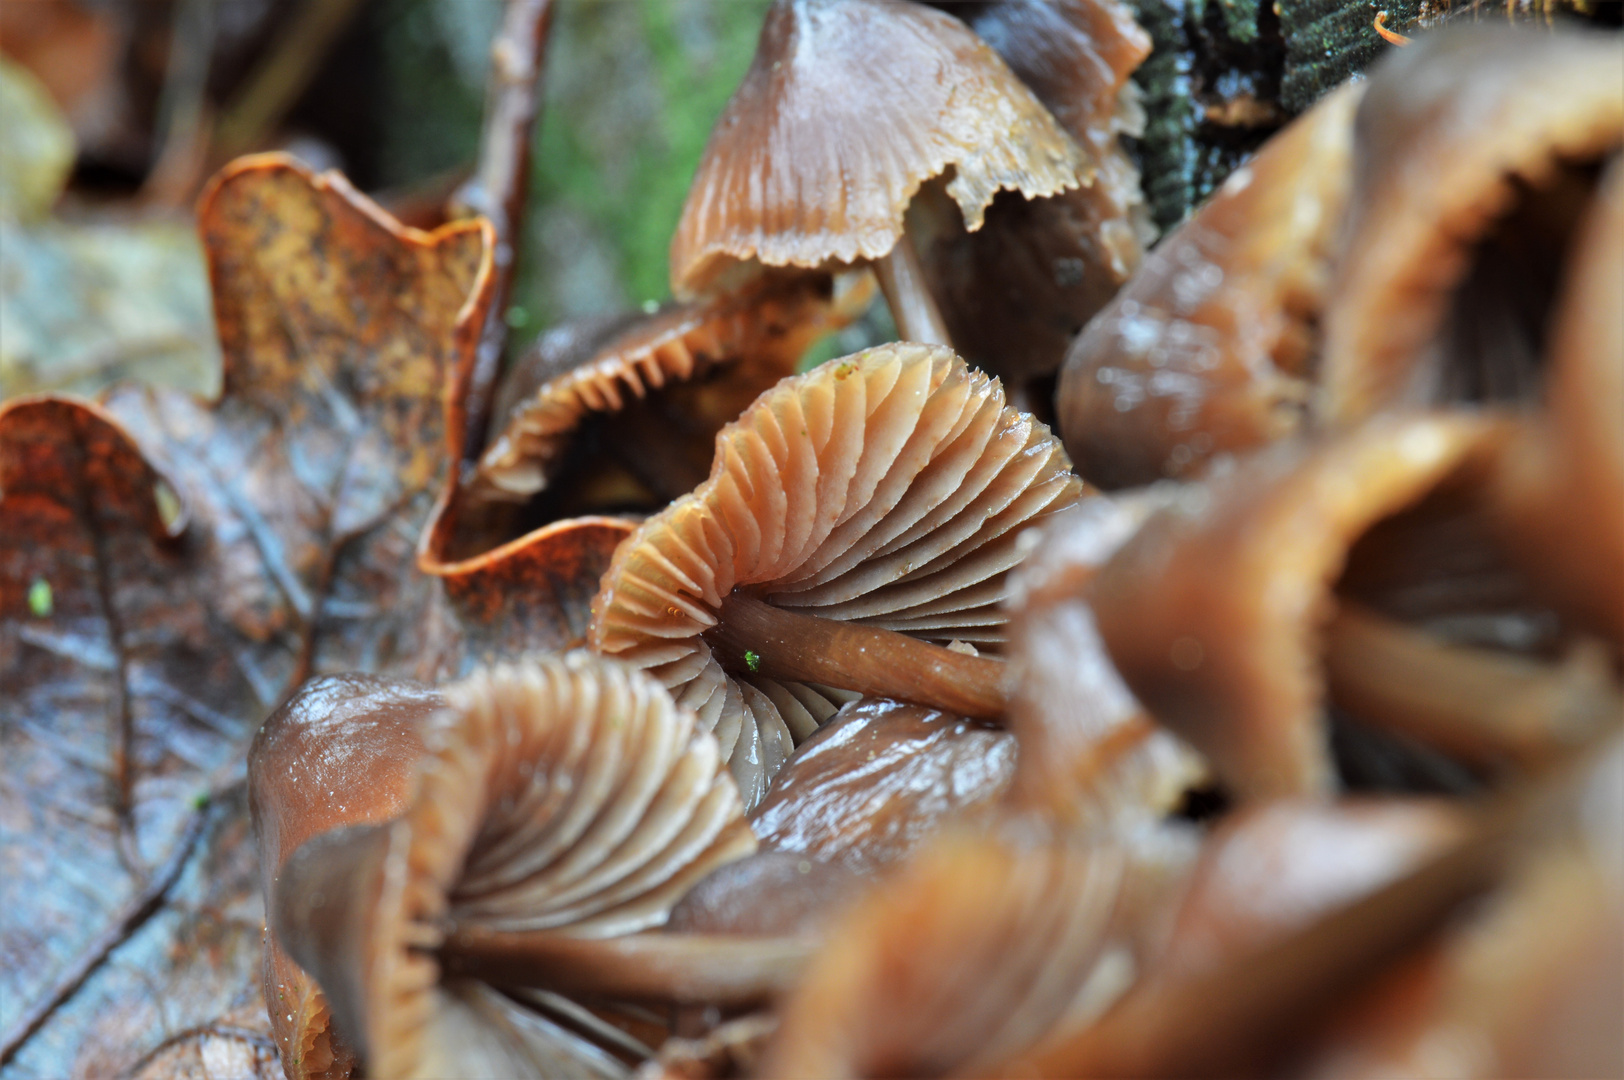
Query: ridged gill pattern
888, 488
566, 793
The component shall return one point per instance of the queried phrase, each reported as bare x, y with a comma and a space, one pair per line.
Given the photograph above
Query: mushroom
848, 107
1014, 293
1091, 757
1209, 348
1557, 491
668, 380
965, 956
886, 490
878, 779
562, 801
339, 752
1210, 611
1477, 152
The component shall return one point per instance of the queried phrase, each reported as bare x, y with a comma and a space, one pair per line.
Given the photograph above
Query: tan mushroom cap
848, 107
1450, 131
1213, 610
1208, 348
339, 752
964, 957
888, 488
1015, 292
1562, 478
731, 347
1090, 756
567, 793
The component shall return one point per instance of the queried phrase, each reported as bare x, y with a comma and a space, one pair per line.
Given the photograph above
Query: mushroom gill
1209, 348
659, 385
1477, 153
561, 800
887, 489
848, 107
339, 752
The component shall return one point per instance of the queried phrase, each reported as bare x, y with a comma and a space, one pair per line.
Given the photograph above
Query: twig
499, 186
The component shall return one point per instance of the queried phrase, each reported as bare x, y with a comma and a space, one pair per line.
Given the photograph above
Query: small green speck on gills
41, 601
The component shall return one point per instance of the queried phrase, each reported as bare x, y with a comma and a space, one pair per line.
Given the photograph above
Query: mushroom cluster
896, 747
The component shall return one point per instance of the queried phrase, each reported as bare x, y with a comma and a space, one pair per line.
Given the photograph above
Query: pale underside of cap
889, 488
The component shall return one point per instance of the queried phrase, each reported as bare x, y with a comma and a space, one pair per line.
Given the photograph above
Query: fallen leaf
199, 562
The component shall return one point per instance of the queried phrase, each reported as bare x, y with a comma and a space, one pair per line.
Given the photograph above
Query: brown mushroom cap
339, 752
1468, 179
888, 488
847, 108
1207, 349
879, 779
1090, 755
567, 793
965, 956
1561, 479
677, 376
1212, 610
1014, 293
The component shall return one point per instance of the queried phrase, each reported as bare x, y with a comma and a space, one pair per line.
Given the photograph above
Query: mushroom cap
1091, 758
887, 488
1207, 349
1450, 131
339, 752
1560, 479
963, 957
1212, 611
729, 348
1015, 292
880, 778
847, 108
565, 793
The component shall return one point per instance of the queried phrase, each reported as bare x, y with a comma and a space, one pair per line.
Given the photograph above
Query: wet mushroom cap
1015, 292
727, 350
1471, 170
1208, 349
1212, 611
888, 488
848, 107
340, 752
1090, 755
564, 794
1560, 478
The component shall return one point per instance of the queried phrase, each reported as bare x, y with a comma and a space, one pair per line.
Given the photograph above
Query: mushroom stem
902, 280
712, 969
754, 637
1483, 705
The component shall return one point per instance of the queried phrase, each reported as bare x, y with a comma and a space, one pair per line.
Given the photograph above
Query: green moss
1329, 40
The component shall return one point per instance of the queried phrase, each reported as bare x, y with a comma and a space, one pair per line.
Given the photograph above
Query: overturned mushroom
1015, 292
887, 490
1477, 154
1208, 349
848, 107
562, 801
339, 752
